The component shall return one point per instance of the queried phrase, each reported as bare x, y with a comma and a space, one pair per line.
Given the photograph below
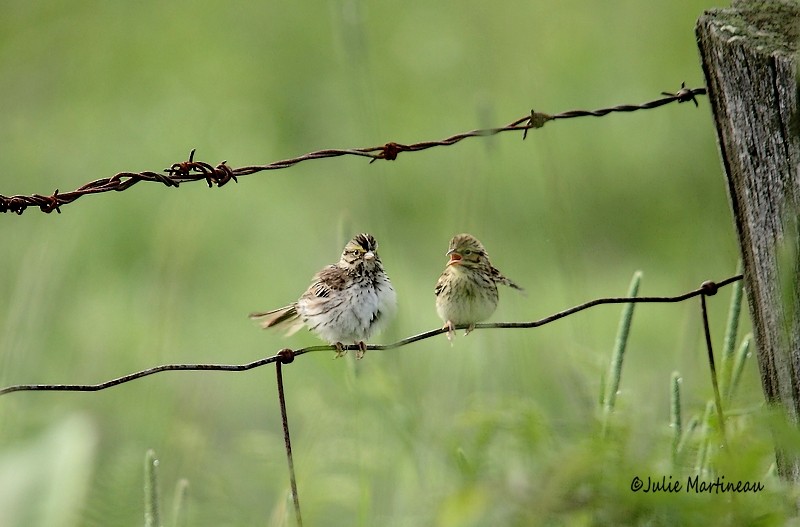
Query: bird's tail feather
510, 283
285, 317
499, 278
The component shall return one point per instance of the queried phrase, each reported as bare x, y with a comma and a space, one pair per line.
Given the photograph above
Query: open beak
455, 258
369, 255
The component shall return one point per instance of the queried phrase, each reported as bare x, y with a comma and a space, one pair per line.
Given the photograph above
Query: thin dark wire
287, 355
714, 383
221, 174
288, 443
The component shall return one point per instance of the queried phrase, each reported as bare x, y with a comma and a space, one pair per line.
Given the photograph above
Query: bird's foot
451, 330
340, 351
362, 349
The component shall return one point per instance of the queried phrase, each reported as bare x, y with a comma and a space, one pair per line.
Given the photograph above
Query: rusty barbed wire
221, 174
287, 356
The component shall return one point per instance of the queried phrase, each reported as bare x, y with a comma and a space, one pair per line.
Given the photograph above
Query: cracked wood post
749, 56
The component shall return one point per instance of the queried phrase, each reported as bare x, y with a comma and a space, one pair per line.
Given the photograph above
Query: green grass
618, 354
502, 428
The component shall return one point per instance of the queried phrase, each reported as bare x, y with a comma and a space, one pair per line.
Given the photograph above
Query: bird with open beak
466, 292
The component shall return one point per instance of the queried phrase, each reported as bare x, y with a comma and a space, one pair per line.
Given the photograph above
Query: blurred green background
501, 428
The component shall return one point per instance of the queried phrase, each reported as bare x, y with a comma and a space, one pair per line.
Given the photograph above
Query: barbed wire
221, 174
287, 355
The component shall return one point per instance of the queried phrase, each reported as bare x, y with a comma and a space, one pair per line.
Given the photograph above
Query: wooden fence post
749, 55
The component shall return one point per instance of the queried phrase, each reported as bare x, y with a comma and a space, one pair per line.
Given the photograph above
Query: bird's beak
369, 255
455, 258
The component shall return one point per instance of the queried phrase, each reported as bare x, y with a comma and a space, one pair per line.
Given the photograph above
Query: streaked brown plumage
466, 292
347, 302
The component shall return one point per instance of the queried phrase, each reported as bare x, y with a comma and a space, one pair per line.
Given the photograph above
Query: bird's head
467, 252
361, 251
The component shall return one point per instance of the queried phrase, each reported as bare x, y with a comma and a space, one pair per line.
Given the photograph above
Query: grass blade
618, 354
704, 450
691, 426
675, 416
738, 365
179, 504
731, 331
620, 344
152, 515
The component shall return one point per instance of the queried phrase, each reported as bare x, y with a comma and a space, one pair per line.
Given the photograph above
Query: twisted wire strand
222, 173
286, 356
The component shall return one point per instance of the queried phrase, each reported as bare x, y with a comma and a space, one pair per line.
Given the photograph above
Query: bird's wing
330, 279
498, 277
440, 284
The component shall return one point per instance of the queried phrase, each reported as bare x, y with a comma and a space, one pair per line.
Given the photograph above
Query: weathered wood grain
749, 56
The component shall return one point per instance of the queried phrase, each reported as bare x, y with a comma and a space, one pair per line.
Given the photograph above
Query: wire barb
286, 355
221, 174
685, 94
536, 120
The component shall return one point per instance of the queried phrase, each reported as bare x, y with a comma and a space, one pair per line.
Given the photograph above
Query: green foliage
675, 417
739, 361
152, 507
45, 482
179, 516
618, 355
499, 429
152, 499
731, 332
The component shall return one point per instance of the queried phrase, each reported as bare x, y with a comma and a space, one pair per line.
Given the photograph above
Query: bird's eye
468, 252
